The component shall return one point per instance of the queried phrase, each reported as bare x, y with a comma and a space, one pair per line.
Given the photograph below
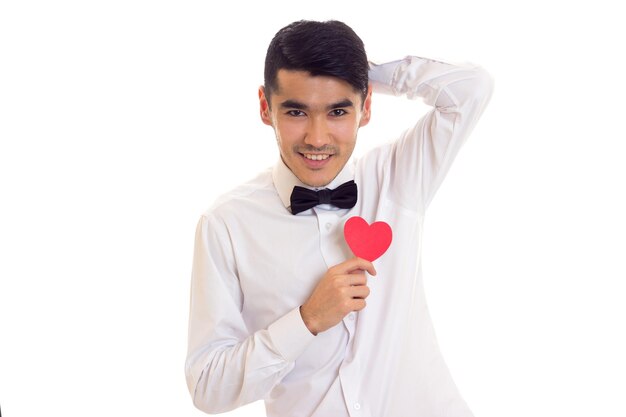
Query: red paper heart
367, 241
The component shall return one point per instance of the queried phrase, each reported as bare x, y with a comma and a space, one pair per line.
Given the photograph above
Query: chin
317, 181
316, 177
311, 183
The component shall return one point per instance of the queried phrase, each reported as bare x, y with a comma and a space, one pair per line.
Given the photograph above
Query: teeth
315, 157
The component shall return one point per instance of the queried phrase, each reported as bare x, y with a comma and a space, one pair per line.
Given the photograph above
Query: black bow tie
343, 196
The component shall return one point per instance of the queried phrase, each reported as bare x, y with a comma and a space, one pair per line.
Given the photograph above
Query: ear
367, 107
264, 107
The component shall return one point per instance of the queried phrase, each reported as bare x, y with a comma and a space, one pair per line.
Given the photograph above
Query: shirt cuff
382, 77
290, 335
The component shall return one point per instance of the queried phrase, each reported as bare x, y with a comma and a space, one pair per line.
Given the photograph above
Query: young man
281, 310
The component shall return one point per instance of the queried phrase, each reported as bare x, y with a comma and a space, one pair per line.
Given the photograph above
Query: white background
121, 121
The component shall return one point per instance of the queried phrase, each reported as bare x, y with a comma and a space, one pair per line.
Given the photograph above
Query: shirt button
357, 406
328, 226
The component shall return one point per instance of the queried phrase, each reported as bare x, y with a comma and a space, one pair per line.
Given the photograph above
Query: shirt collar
285, 180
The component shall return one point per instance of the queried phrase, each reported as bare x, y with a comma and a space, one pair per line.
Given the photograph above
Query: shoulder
376, 159
257, 191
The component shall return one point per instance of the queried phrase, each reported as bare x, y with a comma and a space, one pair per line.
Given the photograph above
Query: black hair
328, 48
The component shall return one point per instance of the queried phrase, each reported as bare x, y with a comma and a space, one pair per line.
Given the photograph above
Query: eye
338, 112
296, 113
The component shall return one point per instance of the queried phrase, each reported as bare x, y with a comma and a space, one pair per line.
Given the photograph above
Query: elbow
208, 397
210, 402
484, 84
210, 405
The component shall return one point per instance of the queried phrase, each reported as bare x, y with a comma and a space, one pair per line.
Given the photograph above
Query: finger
357, 304
360, 292
355, 278
355, 264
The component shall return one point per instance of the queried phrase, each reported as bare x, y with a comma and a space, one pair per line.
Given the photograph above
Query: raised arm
419, 160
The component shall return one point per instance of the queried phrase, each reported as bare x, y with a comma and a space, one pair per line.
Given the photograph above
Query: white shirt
255, 263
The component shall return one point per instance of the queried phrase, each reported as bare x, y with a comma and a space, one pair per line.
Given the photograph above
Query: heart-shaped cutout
367, 241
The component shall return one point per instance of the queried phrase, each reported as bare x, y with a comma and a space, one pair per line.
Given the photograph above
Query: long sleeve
419, 160
226, 365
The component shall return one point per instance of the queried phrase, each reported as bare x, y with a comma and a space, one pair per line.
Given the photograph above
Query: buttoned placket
333, 249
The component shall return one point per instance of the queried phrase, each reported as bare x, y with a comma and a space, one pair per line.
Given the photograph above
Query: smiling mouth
316, 157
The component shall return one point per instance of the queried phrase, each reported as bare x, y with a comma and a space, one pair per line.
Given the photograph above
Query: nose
318, 134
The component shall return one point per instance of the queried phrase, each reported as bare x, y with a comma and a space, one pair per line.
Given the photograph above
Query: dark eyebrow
343, 103
293, 104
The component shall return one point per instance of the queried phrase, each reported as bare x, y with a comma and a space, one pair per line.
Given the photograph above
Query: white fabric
255, 263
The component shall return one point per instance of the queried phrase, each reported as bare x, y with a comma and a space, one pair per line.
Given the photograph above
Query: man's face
316, 119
